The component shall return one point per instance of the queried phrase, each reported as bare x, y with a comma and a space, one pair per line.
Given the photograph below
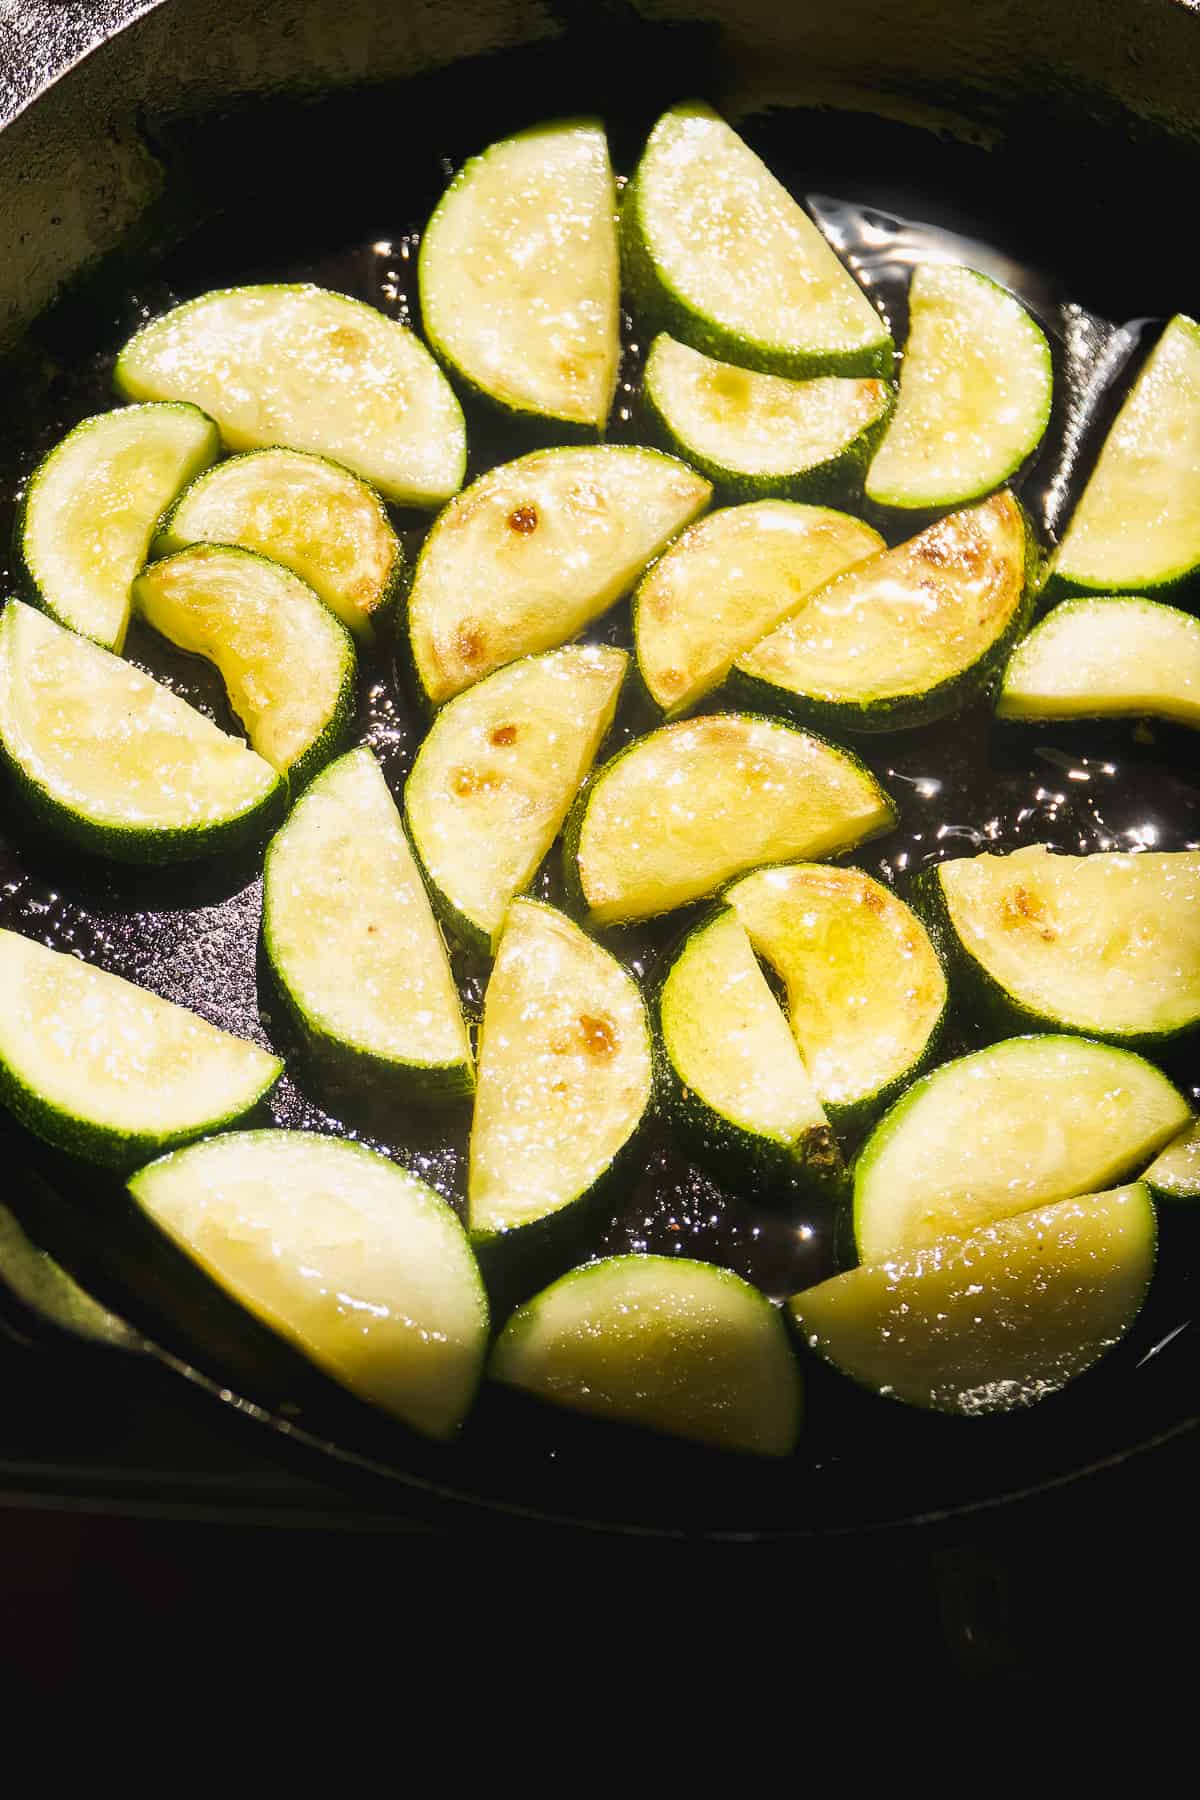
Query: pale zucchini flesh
728, 581
494, 779
866, 993
115, 760
1024, 1123
662, 1342
994, 1321
742, 1094
1175, 1172
305, 512
519, 274
910, 635
357, 1263
535, 550
719, 253
1136, 528
564, 1072
1107, 945
91, 507
1106, 658
295, 365
684, 810
351, 936
108, 1071
288, 665
759, 435
975, 390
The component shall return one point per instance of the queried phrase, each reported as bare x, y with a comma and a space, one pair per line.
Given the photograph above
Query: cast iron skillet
202, 144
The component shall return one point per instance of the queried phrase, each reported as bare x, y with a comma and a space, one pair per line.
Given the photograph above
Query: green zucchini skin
836, 482
997, 1012
660, 308
901, 712
744, 1160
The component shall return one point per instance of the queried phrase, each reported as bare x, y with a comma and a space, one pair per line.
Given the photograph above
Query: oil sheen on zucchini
117, 762
1174, 1175
564, 1076
760, 437
728, 581
535, 550
1024, 1123
1136, 529
718, 253
866, 993
351, 937
975, 391
1106, 658
92, 504
664, 1343
1106, 945
295, 365
495, 777
996, 1320
740, 1094
356, 1262
110, 1072
305, 512
911, 635
519, 275
677, 814
288, 665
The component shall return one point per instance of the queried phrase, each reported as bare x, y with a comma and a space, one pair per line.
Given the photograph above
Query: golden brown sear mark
470, 642
1023, 908
523, 519
502, 736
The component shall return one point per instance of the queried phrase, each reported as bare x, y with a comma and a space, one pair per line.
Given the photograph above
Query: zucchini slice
107, 1071
717, 252
114, 760
495, 778
357, 1263
912, 635
729, 580
351, 937
535, 550
675, 815
662, 1342
305, 512
1136, 529
91, 506
288, 665
1175, 1172
741, 1094
866, 993
295, 365
762, 437
1107, 658
975, 390
1024, 1123
1107, 945
519, 275
994, 1321
564, 1073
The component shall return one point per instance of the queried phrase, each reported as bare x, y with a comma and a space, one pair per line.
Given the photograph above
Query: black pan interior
337, 189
